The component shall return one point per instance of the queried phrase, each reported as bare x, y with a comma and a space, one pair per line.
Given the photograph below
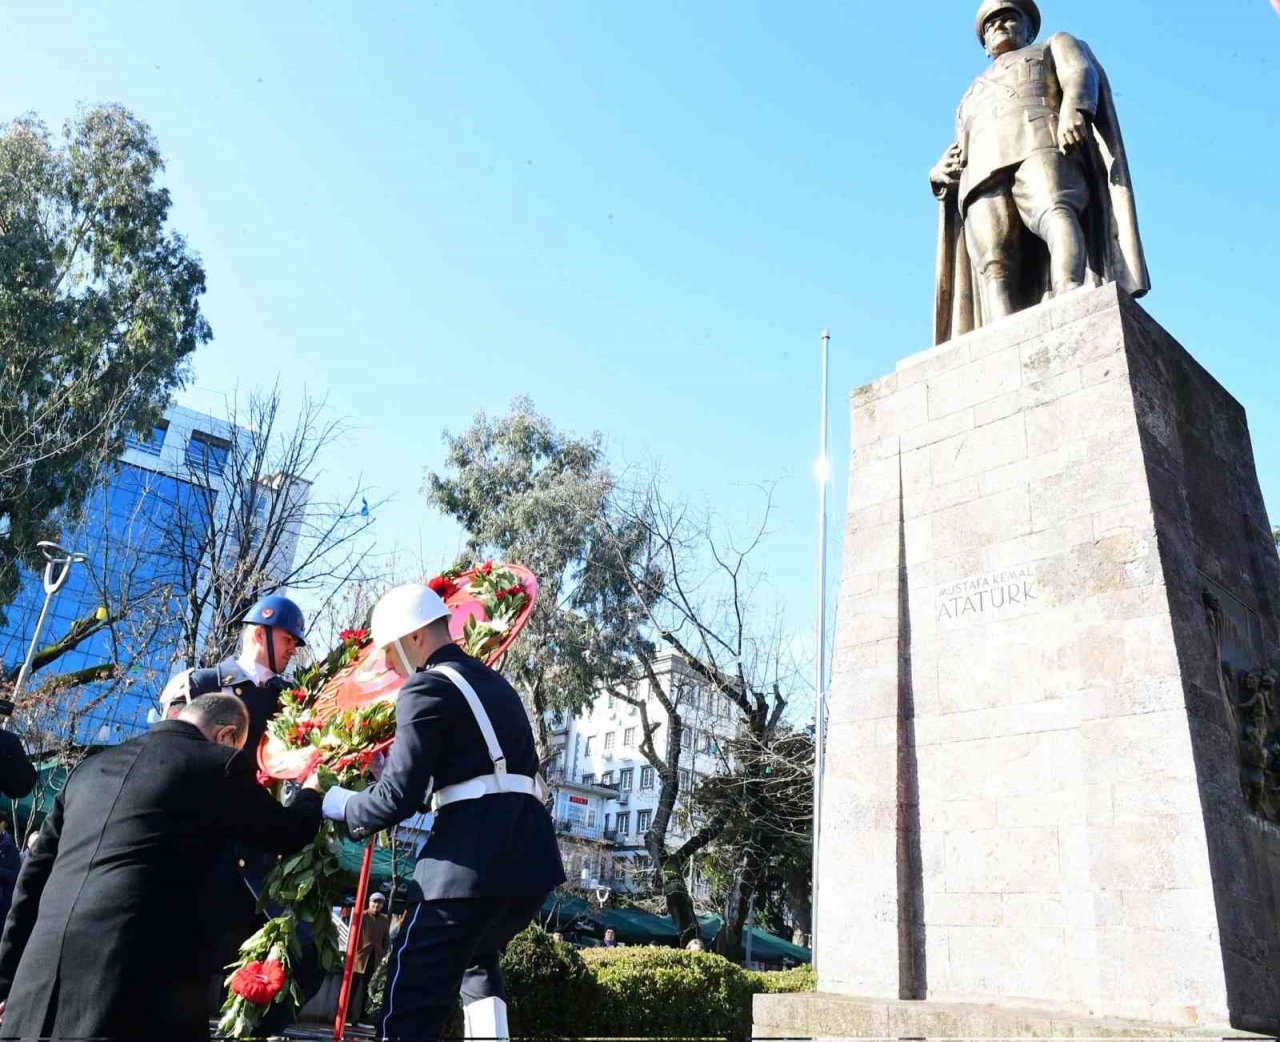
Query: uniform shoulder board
214, 678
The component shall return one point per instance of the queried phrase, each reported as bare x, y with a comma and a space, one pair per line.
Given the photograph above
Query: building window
624, 779
624, 823
686, 738
589, 747
705, 744
643, 818
207, 454
152, 441
591, 817
588, 779
606, 778
608, 742
646, 777
607, 819
629, 738
684, 780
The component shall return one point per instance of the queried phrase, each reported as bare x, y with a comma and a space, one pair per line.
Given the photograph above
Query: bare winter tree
700, 598
256, 525
762, 856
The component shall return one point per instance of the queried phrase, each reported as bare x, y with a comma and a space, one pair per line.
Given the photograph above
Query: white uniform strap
489, 784
482, 718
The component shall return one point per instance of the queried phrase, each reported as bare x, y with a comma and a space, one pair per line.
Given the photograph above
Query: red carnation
445, 587
485, 568
299, 695
353, 637
258, 982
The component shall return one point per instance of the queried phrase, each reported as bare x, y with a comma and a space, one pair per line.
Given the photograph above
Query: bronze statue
1036, 195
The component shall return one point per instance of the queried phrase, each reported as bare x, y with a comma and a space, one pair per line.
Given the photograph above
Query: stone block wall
1032, 790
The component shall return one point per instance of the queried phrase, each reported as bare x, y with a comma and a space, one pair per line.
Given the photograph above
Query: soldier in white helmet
464, 744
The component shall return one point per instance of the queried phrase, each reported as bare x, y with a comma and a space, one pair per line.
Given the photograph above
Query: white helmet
404, 610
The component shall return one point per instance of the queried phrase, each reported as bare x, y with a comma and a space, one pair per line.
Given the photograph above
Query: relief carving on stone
1250, 699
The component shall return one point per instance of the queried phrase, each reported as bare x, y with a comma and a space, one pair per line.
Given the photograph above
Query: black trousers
447, 948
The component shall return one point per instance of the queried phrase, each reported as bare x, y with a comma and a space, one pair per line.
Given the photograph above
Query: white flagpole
820, 688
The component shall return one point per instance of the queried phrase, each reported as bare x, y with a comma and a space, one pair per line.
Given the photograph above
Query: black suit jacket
104, 937
497, 846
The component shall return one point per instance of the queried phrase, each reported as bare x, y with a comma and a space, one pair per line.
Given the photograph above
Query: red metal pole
353, 941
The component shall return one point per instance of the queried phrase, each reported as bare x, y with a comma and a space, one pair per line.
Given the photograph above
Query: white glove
334, 807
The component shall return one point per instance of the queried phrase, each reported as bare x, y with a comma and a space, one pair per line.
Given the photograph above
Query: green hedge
669, 993
801, 978
549, 984
642, 992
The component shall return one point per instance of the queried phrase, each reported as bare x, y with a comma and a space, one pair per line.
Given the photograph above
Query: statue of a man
1035, 190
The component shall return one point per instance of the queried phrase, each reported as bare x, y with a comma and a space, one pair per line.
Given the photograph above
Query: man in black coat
462, 732
105, 936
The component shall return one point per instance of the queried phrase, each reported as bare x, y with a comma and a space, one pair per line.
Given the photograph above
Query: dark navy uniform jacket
496, 846
261, 700
240, 872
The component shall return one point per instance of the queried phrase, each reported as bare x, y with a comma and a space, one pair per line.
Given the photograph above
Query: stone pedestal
1034, 798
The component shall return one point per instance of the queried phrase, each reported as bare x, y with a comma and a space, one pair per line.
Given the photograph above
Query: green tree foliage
99, 313
528, 493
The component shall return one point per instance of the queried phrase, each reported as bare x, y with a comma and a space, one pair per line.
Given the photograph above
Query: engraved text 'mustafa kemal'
985, 593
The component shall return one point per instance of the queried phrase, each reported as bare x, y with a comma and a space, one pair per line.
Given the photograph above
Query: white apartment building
607, 792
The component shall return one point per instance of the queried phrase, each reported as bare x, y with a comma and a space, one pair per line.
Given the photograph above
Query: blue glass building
136, 555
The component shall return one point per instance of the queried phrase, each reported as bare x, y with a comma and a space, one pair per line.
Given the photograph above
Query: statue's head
1007, 25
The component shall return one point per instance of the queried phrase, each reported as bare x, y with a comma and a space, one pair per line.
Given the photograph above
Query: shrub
558, 992
665, 992
551, 989
776, 982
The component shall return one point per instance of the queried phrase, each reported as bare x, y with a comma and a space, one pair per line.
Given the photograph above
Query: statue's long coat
1110, 225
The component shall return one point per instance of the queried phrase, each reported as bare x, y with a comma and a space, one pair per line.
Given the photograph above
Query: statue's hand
946, 174
1073, 130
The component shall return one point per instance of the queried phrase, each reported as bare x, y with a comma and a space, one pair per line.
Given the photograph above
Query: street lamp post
57, 570
820, 687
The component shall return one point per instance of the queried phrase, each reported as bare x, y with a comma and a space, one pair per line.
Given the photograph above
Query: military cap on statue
1026, 7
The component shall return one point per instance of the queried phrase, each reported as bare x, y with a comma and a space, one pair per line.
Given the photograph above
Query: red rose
446, 588
258, 982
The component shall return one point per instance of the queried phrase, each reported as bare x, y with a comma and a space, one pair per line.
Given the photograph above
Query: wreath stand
353, 941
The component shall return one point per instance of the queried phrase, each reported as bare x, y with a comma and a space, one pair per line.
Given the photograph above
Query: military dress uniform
1007, 128
463, 743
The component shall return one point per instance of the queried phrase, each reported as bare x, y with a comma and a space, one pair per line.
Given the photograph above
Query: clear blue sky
639, 214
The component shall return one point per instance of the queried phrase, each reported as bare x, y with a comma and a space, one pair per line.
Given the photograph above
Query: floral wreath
336, 720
